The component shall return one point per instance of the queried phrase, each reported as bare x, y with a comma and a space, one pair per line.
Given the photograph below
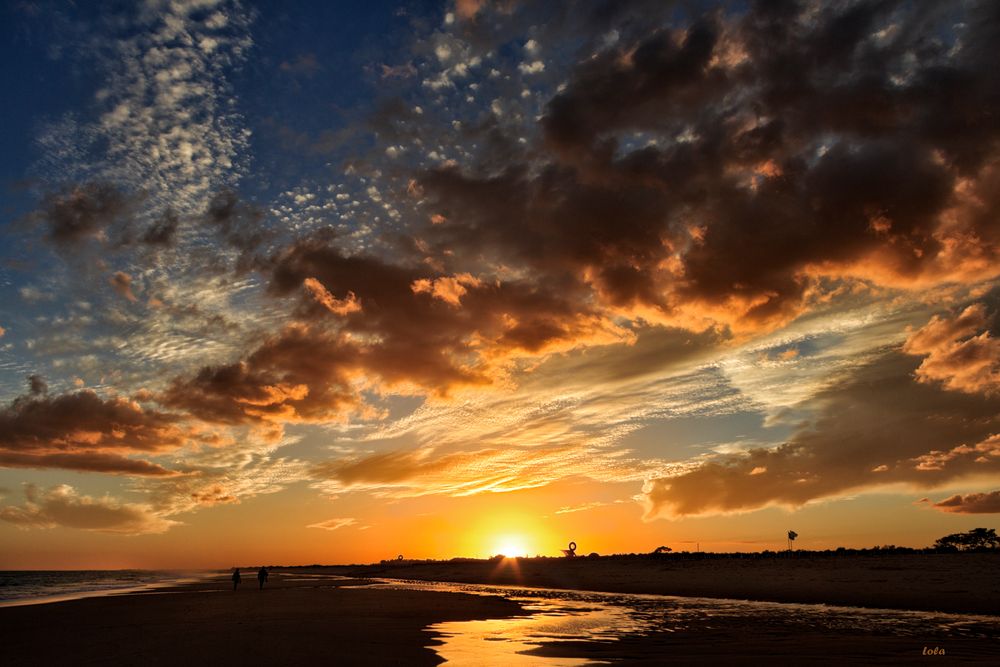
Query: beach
403, 614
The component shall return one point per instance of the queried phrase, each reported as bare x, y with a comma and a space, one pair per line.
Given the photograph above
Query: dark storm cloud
720, 169
876, 427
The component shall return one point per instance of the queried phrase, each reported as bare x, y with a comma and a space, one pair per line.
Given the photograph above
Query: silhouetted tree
977, 538
662, 550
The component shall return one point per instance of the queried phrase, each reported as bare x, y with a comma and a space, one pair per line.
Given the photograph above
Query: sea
19, 587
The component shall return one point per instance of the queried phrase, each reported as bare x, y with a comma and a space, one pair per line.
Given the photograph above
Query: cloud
83, 431
37, 385
875, 427
301, 374
958, 352
62, 506
971, 503
333, 524
122, 284
404, 71
467, 9
82, 212
85, 462
407, 473
669, 153
349, 304
439, 332
221, 476
305, 64
165, 124
163, 231
84, 419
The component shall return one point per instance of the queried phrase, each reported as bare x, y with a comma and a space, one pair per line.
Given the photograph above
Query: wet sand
290, 622
958, 583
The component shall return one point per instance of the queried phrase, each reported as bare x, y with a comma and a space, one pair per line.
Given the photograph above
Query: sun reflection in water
514, 641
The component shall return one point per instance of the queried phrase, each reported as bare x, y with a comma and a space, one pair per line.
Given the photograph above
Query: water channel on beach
577, 628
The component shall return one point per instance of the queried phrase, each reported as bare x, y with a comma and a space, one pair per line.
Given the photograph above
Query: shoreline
947, 583
84, 594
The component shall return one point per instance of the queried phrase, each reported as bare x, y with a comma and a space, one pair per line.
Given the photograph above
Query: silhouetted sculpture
236, 578
791, 538
571, 552
261, 577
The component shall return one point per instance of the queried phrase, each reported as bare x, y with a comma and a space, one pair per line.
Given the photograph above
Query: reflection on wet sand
574, 628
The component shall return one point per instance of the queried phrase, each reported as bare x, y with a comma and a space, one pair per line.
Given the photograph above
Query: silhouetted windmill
791, 538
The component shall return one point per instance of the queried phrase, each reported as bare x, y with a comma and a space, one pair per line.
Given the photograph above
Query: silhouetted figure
261, 577
236, 578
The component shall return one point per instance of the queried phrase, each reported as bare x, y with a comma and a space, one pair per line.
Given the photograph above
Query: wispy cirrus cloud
334, 524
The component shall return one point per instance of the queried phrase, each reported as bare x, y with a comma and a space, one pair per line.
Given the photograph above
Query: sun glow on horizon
511, 546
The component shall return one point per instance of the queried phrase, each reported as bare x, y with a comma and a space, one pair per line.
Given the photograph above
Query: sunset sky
321, 282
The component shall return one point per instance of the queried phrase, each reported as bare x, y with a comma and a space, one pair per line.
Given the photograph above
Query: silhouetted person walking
236, 578
261, 577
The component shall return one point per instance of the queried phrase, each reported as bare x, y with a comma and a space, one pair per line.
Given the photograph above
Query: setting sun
512, 546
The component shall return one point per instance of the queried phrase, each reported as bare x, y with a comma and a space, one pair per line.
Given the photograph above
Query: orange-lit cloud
301, 374
467, 9
876, 427
958, 352
345, 306
122, 283
43, 424
459, 473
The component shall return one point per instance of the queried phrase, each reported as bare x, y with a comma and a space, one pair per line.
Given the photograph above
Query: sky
308, 282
